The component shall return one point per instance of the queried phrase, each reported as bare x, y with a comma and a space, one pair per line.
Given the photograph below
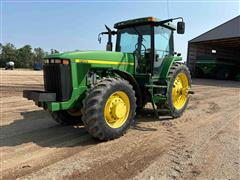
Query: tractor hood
96, 57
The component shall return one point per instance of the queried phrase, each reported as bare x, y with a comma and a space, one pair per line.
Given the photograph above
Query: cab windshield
134, 38
137, 40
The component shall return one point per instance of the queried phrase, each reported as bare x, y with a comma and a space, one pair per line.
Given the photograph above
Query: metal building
220, 43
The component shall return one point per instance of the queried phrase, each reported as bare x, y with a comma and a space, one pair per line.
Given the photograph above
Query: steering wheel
141, 45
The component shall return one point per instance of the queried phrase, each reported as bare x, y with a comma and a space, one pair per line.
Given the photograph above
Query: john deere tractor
104, 89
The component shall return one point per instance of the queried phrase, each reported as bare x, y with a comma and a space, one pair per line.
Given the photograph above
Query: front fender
129, 77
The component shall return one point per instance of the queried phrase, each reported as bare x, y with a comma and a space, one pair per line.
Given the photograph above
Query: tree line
24, 57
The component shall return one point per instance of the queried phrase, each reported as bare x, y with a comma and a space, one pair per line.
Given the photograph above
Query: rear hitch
191, 92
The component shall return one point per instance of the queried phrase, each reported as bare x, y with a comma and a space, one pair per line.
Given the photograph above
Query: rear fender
166, 65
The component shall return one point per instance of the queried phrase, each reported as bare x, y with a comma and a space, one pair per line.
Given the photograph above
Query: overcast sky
70, 25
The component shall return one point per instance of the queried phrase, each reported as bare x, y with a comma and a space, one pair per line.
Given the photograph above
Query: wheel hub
117, 109
180, 91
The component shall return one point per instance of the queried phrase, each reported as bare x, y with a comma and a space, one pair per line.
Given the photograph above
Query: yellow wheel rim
117, 109
180, 91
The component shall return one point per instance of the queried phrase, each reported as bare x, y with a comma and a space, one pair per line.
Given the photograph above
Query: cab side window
163, 45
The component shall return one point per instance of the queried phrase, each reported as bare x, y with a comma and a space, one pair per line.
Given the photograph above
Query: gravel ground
203, 144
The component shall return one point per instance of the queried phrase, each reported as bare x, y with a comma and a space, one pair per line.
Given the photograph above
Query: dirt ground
203, 144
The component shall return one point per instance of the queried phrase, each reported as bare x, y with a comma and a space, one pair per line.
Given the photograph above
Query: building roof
229, 29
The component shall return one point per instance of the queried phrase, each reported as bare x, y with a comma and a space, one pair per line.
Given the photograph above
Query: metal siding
229, 29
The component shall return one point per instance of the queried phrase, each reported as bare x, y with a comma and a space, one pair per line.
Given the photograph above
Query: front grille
57, 79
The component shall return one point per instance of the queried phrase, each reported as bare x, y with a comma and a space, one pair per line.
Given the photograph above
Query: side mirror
180, 27
99, 38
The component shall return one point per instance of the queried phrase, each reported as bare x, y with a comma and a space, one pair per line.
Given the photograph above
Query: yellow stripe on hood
90, 61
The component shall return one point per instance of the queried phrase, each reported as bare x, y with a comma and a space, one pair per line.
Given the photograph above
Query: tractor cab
150, 40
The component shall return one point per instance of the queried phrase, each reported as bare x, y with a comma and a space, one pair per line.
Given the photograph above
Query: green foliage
23, 57
8, 53
38, 55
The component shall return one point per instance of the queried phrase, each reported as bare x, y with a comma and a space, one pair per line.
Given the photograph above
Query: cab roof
142, 21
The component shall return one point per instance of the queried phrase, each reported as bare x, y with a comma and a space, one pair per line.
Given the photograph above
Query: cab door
163, 45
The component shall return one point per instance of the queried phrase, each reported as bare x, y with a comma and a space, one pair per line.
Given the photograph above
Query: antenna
167, 9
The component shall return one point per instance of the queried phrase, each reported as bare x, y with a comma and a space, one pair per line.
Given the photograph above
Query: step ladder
150, 88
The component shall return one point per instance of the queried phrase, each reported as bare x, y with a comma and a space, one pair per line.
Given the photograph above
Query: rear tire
199, 73
178, 71
109, 108
223, 74
63, 117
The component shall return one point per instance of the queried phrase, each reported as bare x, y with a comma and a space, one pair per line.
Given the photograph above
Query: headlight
65, 61
57, 61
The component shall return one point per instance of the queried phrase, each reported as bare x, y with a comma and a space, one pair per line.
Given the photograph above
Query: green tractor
104, 89
216, 68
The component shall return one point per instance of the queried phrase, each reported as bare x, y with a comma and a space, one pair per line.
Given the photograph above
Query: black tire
94, 104
64, 118
173, 73
223, 74
199, 73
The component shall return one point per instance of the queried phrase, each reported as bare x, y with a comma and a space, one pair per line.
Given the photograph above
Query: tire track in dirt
126, 154
130, 164
52, 140
34, 148
179, 156
125, 166
196, 170
30, 162
178, 152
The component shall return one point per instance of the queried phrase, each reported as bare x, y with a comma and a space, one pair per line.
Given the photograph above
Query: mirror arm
102, 33
168, 20
110, 33
178, 18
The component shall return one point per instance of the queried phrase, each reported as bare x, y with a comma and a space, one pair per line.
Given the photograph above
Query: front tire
180, 84
67, 117
109, 108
